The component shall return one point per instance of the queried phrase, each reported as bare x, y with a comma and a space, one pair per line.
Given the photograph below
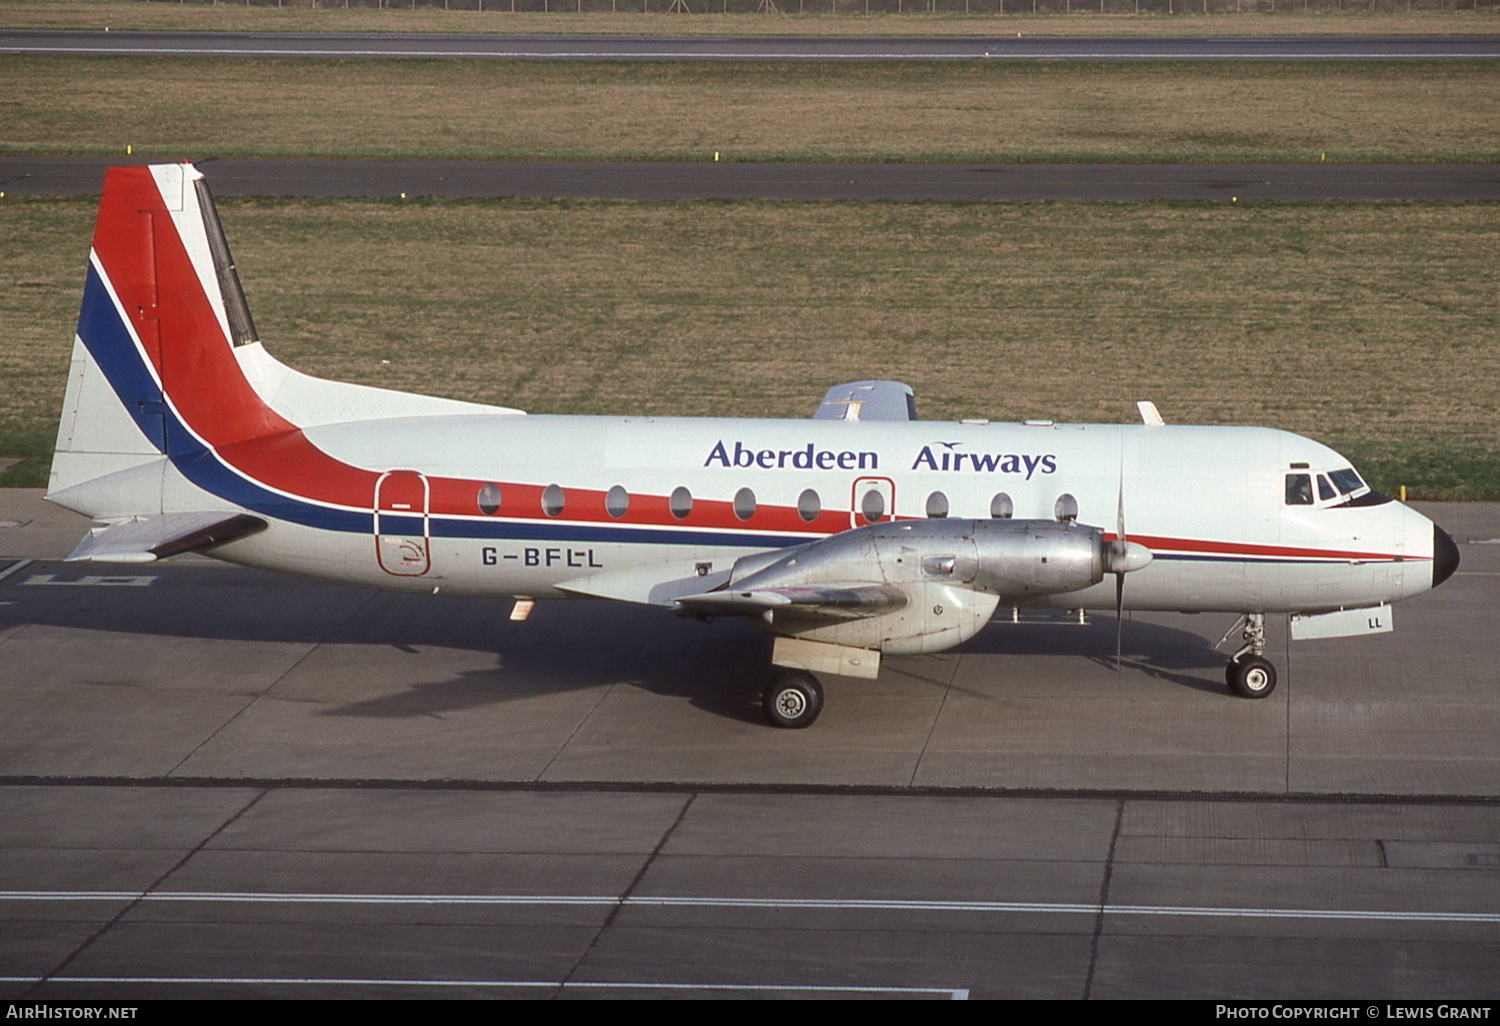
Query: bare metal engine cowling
943, 578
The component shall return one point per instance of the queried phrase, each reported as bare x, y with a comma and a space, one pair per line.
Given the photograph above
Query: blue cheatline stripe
567, 530
1252, 560
107, 340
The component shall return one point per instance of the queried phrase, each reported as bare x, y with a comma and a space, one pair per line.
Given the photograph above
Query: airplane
857, 533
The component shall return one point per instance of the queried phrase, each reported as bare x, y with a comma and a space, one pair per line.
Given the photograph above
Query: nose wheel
1251, 676
1249, 673
793, 699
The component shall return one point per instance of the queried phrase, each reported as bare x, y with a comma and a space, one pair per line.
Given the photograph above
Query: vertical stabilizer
154, 378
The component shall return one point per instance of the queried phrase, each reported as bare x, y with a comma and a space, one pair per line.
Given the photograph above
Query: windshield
1347, 480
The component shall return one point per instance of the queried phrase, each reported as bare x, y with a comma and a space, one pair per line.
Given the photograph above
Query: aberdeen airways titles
812, 458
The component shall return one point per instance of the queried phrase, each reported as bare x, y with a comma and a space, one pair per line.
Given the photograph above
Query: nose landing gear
1249, 673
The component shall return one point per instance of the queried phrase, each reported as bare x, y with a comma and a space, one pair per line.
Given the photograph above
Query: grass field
1370, 326
1259, 17
1435, 111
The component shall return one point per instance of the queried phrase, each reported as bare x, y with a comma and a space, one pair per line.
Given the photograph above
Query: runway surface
219, 782
25, 175
748, 48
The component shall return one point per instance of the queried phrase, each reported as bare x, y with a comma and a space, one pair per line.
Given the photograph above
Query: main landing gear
793, 699
1249, 673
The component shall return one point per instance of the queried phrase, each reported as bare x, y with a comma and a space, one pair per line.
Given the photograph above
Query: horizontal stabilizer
147, 539
868, 400
833, 601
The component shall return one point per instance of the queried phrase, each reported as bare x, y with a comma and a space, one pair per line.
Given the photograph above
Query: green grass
1371, 326
1259, 17
919, 111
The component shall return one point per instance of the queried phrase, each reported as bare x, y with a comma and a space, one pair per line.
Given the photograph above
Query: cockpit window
1299, 490
1347, 480
1325, 490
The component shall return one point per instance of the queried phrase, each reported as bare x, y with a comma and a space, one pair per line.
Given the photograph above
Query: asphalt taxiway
219, 782
23, 175
391, 45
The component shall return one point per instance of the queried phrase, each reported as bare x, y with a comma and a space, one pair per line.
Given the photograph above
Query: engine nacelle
1021, 559
951, 575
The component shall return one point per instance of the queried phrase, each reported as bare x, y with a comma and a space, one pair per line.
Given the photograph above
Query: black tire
1251, 677
793, 699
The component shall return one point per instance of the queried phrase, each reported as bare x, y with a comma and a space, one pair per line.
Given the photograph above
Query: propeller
1124, 557
1119, 556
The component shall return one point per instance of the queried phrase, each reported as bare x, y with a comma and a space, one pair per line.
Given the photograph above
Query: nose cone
1444, 555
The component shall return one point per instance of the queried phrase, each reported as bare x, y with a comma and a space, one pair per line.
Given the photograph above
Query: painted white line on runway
94, 581
955, 994
680, 55
794, 904
20, 564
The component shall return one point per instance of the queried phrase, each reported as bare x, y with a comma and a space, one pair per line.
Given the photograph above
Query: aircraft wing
147, 539
814, 601
868, 400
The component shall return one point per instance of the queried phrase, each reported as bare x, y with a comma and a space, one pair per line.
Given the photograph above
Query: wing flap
147, 539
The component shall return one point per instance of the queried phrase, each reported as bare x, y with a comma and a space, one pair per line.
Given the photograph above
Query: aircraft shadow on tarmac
420, 642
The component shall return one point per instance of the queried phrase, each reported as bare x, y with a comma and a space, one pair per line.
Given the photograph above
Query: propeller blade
1122, 547
1119, 616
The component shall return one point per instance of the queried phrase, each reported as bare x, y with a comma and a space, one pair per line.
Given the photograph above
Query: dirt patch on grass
1370, 326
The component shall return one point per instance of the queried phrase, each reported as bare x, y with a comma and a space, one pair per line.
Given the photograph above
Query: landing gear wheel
1251, 676
793, 699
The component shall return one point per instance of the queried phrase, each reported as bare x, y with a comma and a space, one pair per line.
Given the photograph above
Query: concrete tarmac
670, 180
219, 782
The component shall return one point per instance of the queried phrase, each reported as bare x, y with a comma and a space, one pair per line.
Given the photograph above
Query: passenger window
617, 501
1299, 490
872, 506
937, 506
1325, 490
1001, 508
809, 505
552, 500
681, 502
744, 504
1065, 508
489, 499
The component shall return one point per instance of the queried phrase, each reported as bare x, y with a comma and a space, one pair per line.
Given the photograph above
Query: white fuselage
1209, 502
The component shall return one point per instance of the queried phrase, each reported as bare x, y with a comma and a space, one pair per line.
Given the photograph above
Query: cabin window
1299, 490
489, 499
1325, 490
1065, 508
617, 501
744, 504
809, 505
681, 502
872, 506
1001, 508
552, 500
937, 506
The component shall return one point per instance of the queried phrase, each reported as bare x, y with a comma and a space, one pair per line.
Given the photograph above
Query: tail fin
154, 377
